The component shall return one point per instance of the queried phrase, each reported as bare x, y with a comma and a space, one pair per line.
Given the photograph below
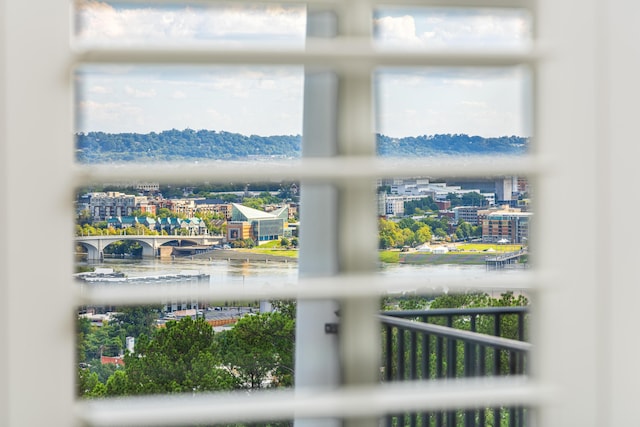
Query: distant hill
188, 144
447, 144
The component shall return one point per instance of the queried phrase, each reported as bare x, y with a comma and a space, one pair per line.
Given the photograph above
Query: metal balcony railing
445, 344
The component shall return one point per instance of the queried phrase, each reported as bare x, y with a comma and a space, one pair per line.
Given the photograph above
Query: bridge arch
148, 247
93, 250
179, 240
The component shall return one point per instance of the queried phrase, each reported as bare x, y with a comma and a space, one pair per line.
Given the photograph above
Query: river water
260, 273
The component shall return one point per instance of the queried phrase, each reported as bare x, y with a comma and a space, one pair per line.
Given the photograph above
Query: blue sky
268, 100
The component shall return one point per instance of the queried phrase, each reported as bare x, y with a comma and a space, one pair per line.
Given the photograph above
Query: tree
454, 199
423, 234
83, 329
408, 237
473, 199
389, 234
84, 217
268, 198
181, 357
164, 213
286, 307
231, 198
464, 230
415, 207
260, 346
118, 384
137, 320
253, 202
88, 384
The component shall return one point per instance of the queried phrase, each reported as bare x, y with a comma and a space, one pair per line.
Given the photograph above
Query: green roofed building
258, 225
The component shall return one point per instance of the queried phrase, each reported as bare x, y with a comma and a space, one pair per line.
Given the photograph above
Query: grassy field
468, 253
272, 248
389, 256
279, 252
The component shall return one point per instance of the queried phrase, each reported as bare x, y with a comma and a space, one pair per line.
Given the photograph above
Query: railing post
388, 369
400, 355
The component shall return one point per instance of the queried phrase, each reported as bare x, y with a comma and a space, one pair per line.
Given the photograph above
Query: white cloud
474, 104
461, 82
178, 94
100, 90
218, 117
397, 30
103, 23
449, 27
118, 113
139, 93
267, 84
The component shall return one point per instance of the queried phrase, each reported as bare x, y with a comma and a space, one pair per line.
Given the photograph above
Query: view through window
182, 237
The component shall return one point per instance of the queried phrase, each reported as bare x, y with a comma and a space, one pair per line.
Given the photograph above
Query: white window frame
584, 292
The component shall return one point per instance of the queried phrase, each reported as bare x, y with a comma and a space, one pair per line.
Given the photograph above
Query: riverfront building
255, 224
507, 225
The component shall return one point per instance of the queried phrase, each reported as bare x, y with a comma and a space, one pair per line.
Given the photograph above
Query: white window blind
582, 270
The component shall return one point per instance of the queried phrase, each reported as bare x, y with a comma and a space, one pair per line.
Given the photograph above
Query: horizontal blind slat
340, 403
338, 169
340, 53
373, 3
335, 287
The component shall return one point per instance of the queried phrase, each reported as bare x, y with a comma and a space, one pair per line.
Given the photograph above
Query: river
248, 273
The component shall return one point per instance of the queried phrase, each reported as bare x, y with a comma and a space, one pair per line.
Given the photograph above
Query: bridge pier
93, 253
148, 251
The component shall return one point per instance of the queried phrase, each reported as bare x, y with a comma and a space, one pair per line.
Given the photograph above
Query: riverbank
448, 258
390, 257
242, 255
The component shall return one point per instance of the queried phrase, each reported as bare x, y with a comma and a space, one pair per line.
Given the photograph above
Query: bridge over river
150, 244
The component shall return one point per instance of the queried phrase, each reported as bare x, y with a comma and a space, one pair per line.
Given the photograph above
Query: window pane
180, 239
454, 227
229, 26
160, 114
452, 27
438, 111
142, 350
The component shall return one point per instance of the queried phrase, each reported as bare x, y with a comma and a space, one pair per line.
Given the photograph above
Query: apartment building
112, 203
213, 206
506, 225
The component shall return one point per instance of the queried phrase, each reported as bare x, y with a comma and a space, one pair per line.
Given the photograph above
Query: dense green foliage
189, 144
185, 144
258, 348
415, 207
186, 355
181, 357
411, 232
407, 232
447, 144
